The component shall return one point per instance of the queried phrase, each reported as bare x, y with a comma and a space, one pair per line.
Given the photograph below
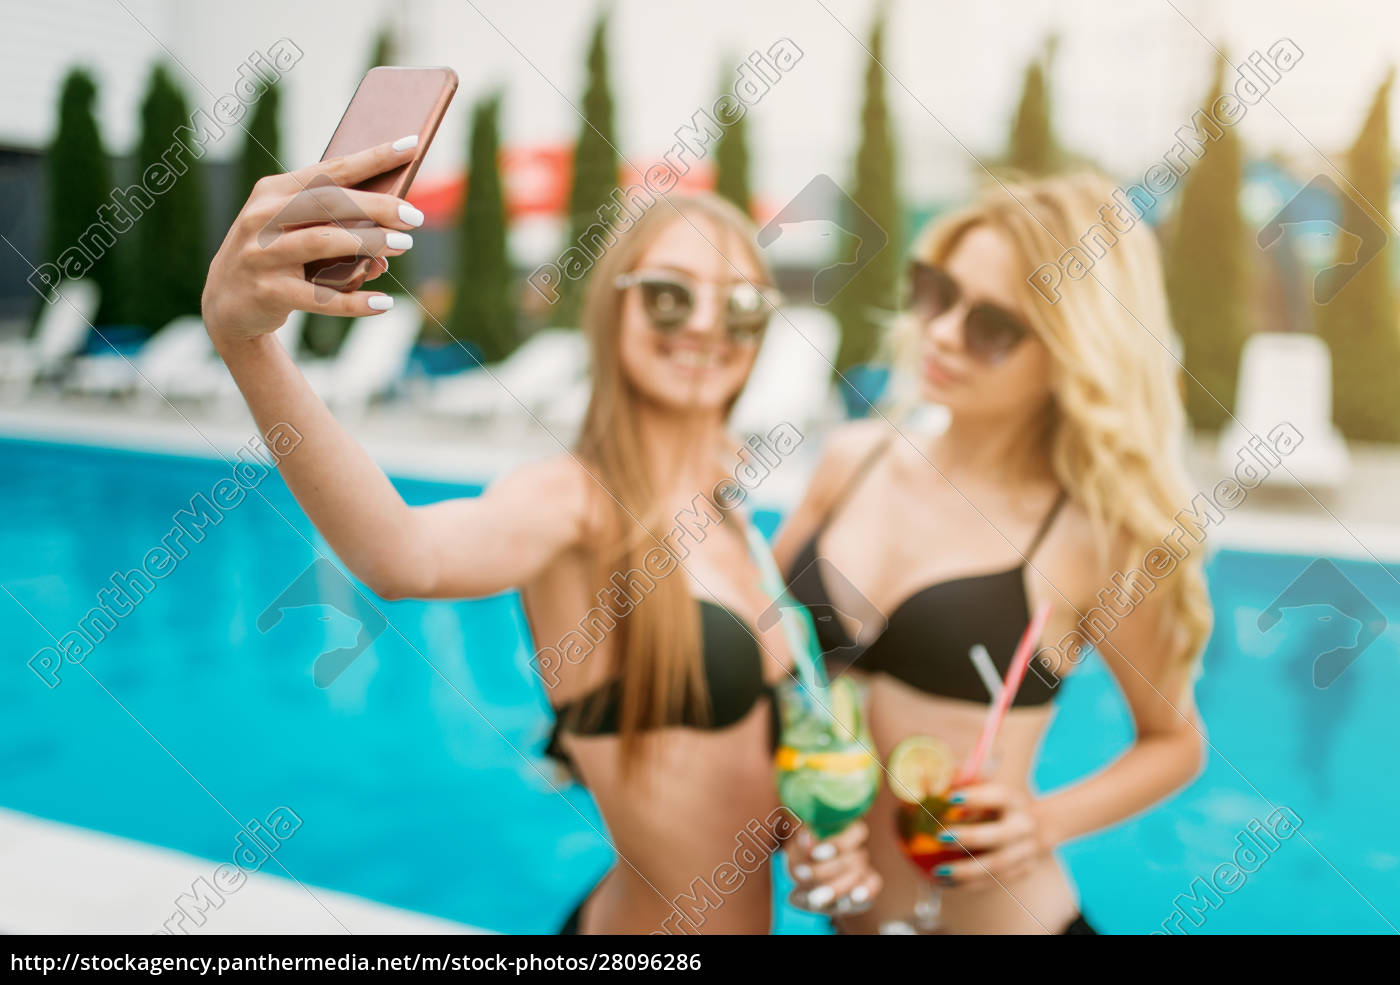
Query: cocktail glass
922, 769
828, 775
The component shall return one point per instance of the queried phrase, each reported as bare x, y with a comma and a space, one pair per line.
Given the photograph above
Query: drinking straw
1014, 675
982, 662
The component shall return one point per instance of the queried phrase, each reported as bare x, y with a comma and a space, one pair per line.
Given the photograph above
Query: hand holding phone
308, 239
390, 103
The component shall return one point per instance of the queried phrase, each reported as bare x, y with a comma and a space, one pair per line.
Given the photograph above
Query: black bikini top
929, 638
733, 677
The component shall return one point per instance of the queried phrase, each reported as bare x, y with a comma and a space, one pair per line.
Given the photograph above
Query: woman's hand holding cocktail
1007, 846
830, 869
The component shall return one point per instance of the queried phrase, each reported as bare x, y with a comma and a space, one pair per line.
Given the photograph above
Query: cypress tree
732, 160
1359, 323
483, 312
262, 146
170, 237
595, 167
1033, 149
78, 175
872, 290
1207, 273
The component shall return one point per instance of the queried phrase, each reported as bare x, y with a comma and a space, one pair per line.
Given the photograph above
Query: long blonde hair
658, 641
1116, 423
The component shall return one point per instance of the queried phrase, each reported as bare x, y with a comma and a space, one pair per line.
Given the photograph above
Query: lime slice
845, 791
921, 767
845, 709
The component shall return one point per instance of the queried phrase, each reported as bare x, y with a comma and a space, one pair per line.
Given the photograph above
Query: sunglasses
989, 332
669, 302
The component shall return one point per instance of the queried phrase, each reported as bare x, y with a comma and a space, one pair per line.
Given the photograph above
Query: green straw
798, 627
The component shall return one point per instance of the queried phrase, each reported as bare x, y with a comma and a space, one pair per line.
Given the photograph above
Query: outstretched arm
458, 548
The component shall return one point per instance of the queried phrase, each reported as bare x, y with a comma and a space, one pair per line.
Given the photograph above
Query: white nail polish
801, 873
824, 852
820, 896
410, 215
859, 895
404, 143
398, 241
381, 302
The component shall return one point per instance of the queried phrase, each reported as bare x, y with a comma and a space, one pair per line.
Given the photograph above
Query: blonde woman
1058, 472
647, 639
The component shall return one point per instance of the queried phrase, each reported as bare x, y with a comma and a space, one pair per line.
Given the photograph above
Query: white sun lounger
60, 334
1287, 377
371, 360
178, 348
546, 366
792, 378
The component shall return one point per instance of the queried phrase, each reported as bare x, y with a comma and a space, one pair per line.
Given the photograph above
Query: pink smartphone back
390, 102
393, 102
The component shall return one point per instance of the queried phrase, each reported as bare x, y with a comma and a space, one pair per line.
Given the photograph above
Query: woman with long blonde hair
1057, 478
638, 571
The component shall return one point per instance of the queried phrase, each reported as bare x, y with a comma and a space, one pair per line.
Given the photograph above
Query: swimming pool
409, 797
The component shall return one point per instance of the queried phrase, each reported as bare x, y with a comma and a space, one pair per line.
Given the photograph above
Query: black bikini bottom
1078, 926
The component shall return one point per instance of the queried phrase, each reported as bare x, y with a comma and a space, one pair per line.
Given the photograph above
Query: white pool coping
60, 879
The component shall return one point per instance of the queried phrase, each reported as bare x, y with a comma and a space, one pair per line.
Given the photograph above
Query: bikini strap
856, 478
1046, 524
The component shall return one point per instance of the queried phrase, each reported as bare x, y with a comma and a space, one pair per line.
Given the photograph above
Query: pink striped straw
1014, 675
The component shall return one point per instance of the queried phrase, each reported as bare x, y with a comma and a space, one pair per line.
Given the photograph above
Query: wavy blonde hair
1116, 425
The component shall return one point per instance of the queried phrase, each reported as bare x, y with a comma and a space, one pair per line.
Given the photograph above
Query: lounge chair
547, 365
1287, 377
209, 380
372, 358
177, 349
60, 335
792, 378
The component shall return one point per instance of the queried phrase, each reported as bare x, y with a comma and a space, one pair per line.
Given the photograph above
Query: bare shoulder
1072, 556
558, 490
844, 450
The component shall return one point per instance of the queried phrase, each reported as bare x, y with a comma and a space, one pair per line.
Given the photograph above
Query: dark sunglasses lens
668, 304
931, 291
747, 313
991, 333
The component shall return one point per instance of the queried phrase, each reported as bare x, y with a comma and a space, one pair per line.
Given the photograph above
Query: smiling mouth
692, 358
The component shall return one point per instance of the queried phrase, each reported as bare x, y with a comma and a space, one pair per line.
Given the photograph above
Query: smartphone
390, 102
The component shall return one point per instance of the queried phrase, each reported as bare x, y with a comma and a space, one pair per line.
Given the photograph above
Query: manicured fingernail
820, 896
404, 143
957, 798
943, 872
398, 241
381, 302
802, 873
410, 215
946, 837
824, 852
860, 894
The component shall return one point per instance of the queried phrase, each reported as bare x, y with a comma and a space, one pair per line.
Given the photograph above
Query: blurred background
419, 775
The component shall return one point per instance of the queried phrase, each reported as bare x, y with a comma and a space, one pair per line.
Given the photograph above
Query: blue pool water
409, 797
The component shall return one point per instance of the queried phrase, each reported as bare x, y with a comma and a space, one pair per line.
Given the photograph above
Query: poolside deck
61, 879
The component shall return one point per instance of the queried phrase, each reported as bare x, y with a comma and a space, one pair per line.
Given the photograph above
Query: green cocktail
828, 775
